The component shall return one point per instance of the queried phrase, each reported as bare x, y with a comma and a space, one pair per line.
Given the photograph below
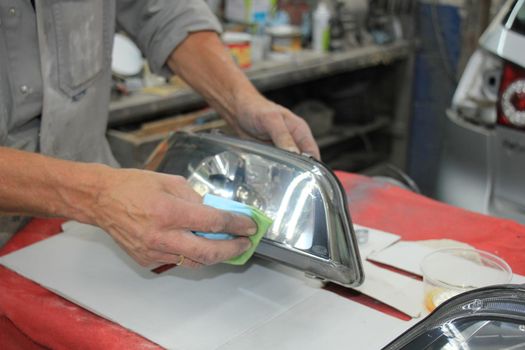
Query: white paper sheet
208, 308
377, 240
179, 309
323, 321
401, 292
518, 279
406, 256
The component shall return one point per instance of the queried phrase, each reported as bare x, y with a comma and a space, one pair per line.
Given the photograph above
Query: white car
483, 161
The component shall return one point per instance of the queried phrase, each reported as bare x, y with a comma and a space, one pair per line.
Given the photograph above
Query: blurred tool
352, 15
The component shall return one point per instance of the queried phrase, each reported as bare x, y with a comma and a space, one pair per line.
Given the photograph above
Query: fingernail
247, 244
245, 225
292, 149
252, 230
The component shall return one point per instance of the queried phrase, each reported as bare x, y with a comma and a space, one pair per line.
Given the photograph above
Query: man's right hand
151, 216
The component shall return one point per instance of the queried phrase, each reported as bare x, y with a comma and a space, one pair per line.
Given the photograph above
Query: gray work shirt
55, 68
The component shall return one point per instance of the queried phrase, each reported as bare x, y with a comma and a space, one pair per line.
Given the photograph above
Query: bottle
260, 39
321, 28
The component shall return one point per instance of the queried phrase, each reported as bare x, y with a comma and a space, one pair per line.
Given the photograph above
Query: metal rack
269, 76
266, 76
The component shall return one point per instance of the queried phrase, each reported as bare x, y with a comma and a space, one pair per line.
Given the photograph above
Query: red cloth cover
32, 317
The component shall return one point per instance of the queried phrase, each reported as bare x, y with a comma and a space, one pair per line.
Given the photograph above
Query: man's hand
151, 215
204, 63
264, 120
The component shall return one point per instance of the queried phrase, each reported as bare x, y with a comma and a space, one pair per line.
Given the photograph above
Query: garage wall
434, 84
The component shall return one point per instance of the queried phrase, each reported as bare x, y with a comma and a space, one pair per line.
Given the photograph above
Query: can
285, 38
239, 45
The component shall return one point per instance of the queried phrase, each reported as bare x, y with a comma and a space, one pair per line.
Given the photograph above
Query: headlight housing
312, 230
486, 318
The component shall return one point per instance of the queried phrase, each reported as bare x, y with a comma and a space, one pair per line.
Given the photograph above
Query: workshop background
373, 78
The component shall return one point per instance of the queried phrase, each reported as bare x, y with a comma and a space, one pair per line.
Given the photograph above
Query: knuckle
159, 213
191, 220
152, 241
275, 113
287, 113
143, 261
221, 222
178, 178
208, 257
151, 255
175, 181
205, 259
302, 124
140, 250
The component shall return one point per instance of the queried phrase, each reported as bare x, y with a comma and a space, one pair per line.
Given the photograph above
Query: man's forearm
32, 184
203, 62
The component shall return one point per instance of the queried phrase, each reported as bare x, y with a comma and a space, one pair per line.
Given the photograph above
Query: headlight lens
311, 230
485, 318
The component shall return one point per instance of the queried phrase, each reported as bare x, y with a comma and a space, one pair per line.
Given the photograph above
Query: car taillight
511, 106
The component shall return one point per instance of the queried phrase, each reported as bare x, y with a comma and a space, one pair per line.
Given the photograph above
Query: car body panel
463, 175
507, 197
501, 39
482, 167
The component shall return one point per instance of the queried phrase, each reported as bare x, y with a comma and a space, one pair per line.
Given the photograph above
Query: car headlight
486, 318
311, 231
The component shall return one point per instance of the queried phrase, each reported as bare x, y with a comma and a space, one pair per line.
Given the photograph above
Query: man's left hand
204, 63
264, 120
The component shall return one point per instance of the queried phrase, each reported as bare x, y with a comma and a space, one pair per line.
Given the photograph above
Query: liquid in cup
449, 272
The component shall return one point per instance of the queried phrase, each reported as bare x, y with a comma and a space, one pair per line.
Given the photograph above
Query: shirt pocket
84, 33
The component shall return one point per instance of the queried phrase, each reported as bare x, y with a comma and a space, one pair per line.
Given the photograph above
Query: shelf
266, 75
342, 133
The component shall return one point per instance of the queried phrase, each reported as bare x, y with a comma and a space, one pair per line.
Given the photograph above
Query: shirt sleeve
159, 26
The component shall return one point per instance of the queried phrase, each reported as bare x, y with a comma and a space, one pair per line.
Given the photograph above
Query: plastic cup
449, 272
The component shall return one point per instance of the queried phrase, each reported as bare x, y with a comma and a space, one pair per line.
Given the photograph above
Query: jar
239, 45
285, 38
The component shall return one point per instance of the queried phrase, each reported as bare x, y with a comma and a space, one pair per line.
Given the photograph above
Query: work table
32, 317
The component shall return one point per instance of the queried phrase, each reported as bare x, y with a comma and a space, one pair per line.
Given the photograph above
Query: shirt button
12, 11
24, 89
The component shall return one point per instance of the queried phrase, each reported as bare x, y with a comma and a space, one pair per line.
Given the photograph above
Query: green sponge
263, 224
